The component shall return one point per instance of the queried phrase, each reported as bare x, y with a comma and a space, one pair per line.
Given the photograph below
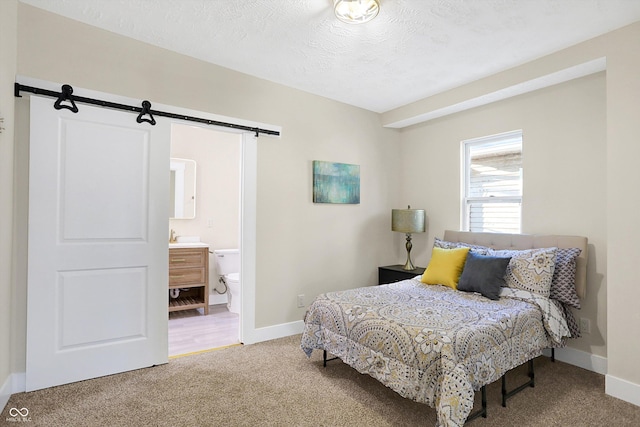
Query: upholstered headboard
529, 241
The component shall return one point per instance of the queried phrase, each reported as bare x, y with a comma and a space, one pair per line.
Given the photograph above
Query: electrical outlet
210, 222
301, 300
585, 325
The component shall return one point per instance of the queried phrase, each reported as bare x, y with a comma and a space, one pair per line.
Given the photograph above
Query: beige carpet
274, 384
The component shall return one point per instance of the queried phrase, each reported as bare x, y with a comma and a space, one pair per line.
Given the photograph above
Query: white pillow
530, 269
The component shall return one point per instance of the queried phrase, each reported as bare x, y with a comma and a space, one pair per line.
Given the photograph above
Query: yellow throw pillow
445, 267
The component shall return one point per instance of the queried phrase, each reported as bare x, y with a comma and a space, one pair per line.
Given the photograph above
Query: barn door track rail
65, 99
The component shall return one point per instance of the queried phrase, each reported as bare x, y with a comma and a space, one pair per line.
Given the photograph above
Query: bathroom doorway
211, 216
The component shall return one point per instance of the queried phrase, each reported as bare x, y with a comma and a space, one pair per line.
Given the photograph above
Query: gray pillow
483, 274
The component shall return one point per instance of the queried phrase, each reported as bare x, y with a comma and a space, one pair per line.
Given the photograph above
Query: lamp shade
408, 220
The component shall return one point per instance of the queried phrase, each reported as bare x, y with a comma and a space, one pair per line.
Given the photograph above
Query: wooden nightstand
395, 273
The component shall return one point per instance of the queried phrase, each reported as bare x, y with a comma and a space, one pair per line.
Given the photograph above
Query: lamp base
409, 265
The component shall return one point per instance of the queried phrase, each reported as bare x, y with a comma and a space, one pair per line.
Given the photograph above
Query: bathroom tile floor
191, 331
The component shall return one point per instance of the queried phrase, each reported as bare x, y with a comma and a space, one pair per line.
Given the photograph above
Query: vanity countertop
187, 245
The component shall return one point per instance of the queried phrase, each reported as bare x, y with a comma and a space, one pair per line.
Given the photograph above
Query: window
492, 193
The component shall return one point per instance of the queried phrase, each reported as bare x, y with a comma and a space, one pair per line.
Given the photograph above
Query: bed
438, 345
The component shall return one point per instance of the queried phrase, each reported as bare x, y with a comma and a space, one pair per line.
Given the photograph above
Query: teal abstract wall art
336, 182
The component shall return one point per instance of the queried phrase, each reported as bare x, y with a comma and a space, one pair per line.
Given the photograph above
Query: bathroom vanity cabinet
189, 275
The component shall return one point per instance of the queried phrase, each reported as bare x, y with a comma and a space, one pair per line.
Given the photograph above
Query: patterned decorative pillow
563, 285
444, 244
530, 269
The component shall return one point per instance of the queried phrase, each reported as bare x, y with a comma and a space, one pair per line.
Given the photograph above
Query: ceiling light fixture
356, 11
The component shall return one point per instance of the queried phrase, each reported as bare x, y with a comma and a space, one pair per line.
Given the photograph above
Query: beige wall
302, 248
8, 43
564, 147
623, 204
217, 156
306, 247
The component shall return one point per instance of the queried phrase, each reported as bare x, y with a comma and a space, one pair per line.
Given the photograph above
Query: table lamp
408, 221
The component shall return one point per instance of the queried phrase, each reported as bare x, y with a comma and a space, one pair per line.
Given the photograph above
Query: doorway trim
248, 197
248, 234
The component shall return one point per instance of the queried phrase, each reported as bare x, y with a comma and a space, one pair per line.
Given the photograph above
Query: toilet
228, 267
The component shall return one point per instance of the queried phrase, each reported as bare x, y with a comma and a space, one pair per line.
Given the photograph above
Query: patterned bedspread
431, 344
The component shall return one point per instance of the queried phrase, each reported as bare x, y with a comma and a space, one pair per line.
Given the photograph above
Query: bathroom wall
217, 156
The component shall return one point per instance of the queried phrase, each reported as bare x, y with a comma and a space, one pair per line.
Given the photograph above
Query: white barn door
97, 258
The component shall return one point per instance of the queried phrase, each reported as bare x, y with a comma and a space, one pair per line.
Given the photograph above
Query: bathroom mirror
182, 189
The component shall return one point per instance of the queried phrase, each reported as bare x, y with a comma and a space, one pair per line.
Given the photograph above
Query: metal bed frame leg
507, 394
480, 412
324, 358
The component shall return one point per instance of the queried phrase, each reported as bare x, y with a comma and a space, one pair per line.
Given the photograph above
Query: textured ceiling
413, 49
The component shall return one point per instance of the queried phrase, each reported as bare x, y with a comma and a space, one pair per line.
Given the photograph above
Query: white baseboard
581, 359
15, 383
622, 389
277, 331
19, 382
216, 298
5, 393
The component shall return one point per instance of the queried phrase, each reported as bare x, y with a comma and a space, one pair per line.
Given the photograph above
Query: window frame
501, 139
